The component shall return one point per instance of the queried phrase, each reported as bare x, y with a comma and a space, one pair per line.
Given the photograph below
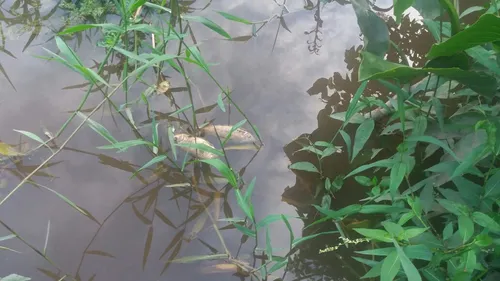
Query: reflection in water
336, 92
163, 213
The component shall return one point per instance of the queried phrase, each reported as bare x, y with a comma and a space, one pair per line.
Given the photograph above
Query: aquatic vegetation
436, 214
432, 199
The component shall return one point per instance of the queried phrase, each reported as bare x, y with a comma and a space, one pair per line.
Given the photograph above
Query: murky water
282, 91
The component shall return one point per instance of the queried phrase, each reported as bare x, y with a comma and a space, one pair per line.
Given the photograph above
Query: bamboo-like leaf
245, 230
180, 110
223, 169
269, 247
220, 103
140, 216
363, 133
83, 27
408, 267
124, 145
98, 128
210, 24
244, 205
234, 18
151, 162
147, 247
390, 267
31, 136
304, 166
433, 140
200, 258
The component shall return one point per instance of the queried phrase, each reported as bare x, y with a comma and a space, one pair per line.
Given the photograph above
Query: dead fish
187, 139
239, 135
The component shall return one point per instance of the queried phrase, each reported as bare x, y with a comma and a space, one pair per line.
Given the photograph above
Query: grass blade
234, 18
124, 145
98, 128
171, 140
153, 161
201, 258
210, 24
225, 171
46, 238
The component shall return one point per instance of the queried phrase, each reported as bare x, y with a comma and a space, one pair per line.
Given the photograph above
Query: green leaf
420, 252
290, 231
448, 231
484, 30
69, 202
202, 147
171, 140
384, 163
413, 232
124, 145
390, 267
492, 187
180, 110
244, 205
454, 207
220, 103
471, 10
277, 266
348, 142
393, 228
130, 55
151, 162
3, 238
470, 160
400, 6
365, 181
210, 24
245, 230
135, 5
374, 271
225, 171
249, 191
98, 128
483, 240
408, 267
398, 173
486, 221
465, 228
374, 29
304, 166
31, 136
381, 209
376, 234
233, 18
433, 274
373, 67
433, 140
351, 110
269, 247
201, 258
233, 129
363, 133
377, 252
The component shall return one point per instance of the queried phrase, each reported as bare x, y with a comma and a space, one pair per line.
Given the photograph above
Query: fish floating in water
239, 135
187, 139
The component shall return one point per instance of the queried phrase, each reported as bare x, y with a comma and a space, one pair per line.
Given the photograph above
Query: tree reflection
336, 92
